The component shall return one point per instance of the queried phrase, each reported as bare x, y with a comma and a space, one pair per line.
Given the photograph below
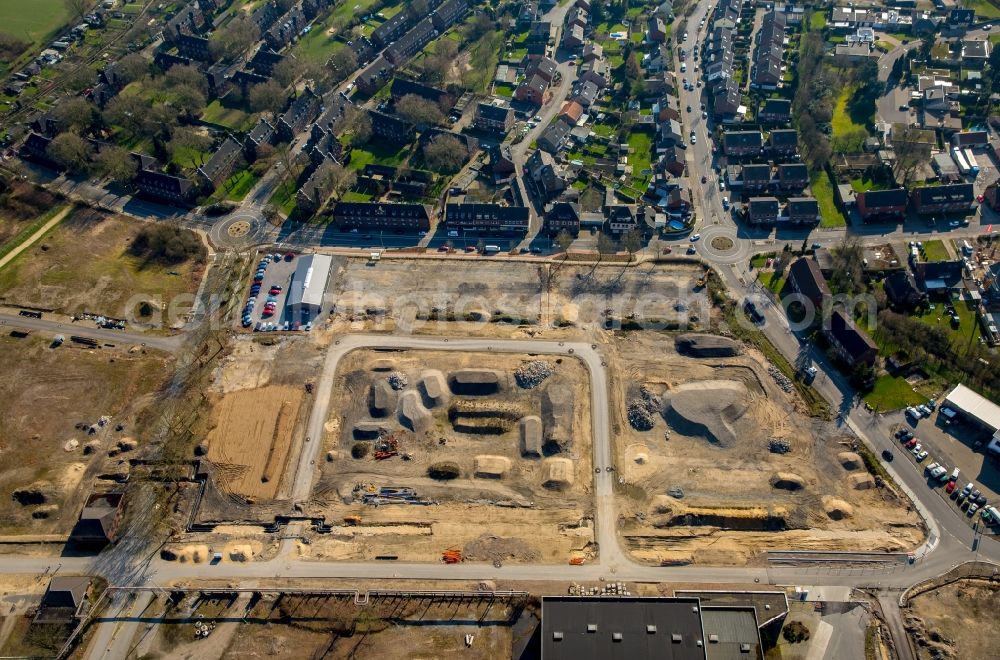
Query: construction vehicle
452, 556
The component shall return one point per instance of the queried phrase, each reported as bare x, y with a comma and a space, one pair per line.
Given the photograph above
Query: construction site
718, 462
454, 456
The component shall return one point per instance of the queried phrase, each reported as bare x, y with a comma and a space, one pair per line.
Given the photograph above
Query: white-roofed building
305, 294
977, 410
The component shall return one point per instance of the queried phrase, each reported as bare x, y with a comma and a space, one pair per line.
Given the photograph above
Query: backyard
934, 250
378, 152
224, 112
822, 190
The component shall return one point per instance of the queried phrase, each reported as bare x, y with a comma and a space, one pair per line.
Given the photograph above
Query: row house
849, 342
802, 211
392, 29
449, 12
375, 76
783, 142
266, 15
487, 218
194, 47
165, 187
957, 197
546, 174
763, 210
878, 205
263, 133
532, 90
805, 277
496, 118
364, 50
286, 30
221, 164
544, 67
775, 111
317, 188
551, 139
656, 29
573, 37
769, 52
577, 16
595, 71
563, 216
792, 177
392, 129
755, 178
381, 217
741, 144
585, 93
264, 61
300, 113
411, 43
189, 20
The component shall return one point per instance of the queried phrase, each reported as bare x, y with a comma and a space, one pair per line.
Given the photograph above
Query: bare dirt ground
502, 505
84, 265
259, 404
51, 398
947, 622
510, 299
713, 422
291, 626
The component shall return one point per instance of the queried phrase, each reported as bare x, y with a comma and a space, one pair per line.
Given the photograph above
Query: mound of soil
788, 481
708, 409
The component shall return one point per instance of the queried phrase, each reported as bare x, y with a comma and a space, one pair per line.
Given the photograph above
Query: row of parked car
970, 499
271, 302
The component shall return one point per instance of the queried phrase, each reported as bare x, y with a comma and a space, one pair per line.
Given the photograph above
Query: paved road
118, 337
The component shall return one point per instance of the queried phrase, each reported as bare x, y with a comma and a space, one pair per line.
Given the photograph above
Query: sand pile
412, 413
862, 481
708, 409
557, 416
557, 473
491, 467
531, 436
837, 509
788, 481
240, 553
433, 387
849, 460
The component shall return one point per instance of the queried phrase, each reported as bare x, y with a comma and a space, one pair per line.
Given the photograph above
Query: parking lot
277, 273
950, 445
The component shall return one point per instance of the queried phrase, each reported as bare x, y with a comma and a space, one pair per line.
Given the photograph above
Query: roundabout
721, 245
238, 230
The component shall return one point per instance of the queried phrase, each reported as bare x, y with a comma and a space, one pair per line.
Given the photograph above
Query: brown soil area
251, 437
948, 622
46, 393
510, 517
712, 441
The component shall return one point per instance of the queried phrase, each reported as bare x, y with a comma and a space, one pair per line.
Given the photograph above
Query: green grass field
640, 158
32, 20
222, 113
376, 152
842, 122
822, 190
236, 187
935, 250
984, 8
893, 393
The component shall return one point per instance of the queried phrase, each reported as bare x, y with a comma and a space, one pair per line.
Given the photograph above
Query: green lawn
842, 122
817, 20
936, 251
376, 151
968, 327
893, 393
984, 8
284, 196
189, 159
221, 112
862, 184
640, 159
822, 190
503, 89
773, 280
352, 196
236, 187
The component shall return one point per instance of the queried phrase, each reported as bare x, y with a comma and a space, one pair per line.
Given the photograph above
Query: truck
491, 249
959, 158
970, 159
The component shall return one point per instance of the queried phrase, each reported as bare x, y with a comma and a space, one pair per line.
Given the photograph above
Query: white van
452, 234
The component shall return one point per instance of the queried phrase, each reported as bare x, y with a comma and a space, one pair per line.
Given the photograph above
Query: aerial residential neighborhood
528, 329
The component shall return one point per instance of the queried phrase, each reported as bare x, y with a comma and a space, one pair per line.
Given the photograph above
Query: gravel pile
531, 374
642, 410
779, 446
781, 379
675, 492
397, 380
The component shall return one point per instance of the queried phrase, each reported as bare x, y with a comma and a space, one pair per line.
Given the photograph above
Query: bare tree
267, 97
445, 154
77, 9
419, 111
356, 123
116, 163
69, 150
75, 114
342, 63
909, 151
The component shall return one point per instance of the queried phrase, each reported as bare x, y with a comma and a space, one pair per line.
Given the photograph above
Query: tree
847, 269
356, 123
910, 153
419, 111
127, 111
267, 97
116, 163
69, 150
186, 76
288, 71
633, 241
342, 63
234, 39
445, 154
564, 239
475, 28
75, 114
341, 179
189, 140
132, 67
77, 9
188, 100
79, 79
605, 244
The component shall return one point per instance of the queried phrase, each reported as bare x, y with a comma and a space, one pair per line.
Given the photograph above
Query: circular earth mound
708, 409
788, 481
849, 460
837, 509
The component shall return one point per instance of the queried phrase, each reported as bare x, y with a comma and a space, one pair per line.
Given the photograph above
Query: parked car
930, 467
916, 449
971, 511
695, 237
922, 455
911, 443
913, 412
924, 410
950, 487
887, 455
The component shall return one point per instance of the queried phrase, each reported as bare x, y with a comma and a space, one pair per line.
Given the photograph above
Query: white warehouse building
305, 294
977, 410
